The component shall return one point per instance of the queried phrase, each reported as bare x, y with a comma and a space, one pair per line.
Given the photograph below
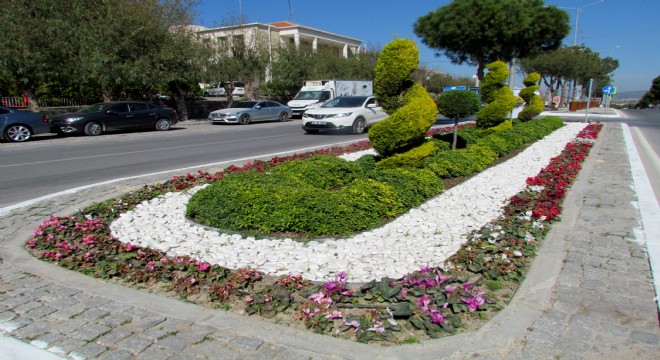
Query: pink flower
130, 247
32, 244
203, 266
436, 316
377, 328
335, 315
248, 300
450, 288
424, 302
150, 266
353, 324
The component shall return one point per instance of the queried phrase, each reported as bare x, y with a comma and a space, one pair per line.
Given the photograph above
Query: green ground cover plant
329, 196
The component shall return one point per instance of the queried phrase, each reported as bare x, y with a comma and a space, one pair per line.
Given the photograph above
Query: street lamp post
578, 10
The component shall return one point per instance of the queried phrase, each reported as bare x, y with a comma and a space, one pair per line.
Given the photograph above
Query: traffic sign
609, 90
450, 88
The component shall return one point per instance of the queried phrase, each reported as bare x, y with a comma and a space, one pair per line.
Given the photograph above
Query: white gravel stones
426, 235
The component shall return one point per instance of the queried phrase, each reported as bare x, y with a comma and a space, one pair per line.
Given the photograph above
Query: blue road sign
449, 88
608, 90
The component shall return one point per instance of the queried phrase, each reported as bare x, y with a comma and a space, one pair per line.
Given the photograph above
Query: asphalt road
50, 164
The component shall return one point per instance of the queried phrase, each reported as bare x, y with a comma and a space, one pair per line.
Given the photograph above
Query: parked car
219, 89
245, 112
356, 113
20, 125
116, 115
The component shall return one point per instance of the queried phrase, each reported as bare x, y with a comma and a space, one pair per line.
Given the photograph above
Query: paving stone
645, 337
92, 314
68, 326
246, 343
116, 355
49, 338
33, 330
173, 343
7, 316
209, 350
134, 344
114, 336
40, 312
69, 312
90, 332
66, 346
13, 325
91, 350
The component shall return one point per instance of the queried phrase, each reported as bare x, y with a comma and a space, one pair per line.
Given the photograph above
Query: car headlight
340, 115
306, 115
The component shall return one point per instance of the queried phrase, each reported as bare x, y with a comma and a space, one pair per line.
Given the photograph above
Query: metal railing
14, 102
22, 103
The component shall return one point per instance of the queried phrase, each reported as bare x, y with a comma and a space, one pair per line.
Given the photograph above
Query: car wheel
93, 129
284, 116
205, 94
244, 119
311, 131
17, 133
162, 124
358, 126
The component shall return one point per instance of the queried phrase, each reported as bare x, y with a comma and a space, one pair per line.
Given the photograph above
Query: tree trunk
32, 104
453, 144
181, 107
106, 95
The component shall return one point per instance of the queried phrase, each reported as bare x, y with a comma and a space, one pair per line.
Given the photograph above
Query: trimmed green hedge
329, 196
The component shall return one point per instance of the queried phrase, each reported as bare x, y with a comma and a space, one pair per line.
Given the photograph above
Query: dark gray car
20, 125
116, 115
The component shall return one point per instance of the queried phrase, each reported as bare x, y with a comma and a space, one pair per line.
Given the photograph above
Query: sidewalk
601, 112
588, 295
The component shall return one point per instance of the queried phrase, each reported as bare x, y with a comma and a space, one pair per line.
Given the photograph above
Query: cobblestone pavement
589, 294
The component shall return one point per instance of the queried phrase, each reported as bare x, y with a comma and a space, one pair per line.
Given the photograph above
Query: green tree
458, 104
478, 32
570, 64
651, 97
112, 45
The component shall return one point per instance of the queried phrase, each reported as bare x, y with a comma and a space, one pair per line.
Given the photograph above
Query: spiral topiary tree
498, 97
412, 111
533, 102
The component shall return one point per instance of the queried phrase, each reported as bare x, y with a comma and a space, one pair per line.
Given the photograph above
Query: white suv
356, 113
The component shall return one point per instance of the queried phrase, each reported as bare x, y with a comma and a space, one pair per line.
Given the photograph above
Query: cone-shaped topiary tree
412, 111
533, 102
498, 97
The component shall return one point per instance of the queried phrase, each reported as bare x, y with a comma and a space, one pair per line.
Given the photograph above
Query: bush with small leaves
533, 102
499, 98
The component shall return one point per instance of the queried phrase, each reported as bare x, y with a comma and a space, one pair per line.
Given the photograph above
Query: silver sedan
245, 112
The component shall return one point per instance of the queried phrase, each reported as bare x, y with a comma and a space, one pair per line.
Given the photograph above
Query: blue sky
627, 30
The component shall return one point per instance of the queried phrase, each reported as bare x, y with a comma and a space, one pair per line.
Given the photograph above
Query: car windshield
345, 102
244, 105
100, 107
308, 95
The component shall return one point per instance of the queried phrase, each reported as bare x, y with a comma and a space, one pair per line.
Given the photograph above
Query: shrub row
329, 196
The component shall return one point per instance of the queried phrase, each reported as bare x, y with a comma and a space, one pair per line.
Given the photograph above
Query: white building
282, 33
